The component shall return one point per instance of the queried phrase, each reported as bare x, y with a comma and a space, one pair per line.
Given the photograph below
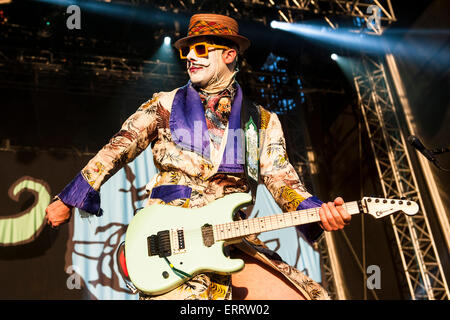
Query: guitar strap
251, 123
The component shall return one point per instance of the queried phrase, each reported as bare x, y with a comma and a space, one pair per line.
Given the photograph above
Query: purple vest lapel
187, 121
189, 131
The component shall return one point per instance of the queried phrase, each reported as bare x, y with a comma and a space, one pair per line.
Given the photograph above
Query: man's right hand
58, 213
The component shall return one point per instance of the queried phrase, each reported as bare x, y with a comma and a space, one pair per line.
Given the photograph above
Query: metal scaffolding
413, 236
286, 10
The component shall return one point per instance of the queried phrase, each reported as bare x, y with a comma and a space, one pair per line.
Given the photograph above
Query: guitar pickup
159, 244
180, 234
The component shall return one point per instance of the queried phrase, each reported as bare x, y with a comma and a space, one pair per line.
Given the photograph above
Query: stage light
334, 56
167, 41
423, 41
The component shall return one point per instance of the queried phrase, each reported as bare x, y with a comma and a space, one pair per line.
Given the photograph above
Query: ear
229, 55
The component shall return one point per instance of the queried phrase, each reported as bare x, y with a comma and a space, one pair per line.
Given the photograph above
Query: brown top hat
208, 24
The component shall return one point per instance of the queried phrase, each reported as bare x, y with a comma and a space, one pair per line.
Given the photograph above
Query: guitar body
160, 234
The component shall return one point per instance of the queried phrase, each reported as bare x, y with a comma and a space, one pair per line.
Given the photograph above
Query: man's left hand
333, 216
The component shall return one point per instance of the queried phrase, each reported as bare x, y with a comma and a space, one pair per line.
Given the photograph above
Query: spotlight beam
390, 42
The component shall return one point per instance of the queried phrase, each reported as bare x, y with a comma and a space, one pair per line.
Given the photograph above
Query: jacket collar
189, 130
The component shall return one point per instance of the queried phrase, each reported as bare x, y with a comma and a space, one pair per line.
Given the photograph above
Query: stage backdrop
77, 261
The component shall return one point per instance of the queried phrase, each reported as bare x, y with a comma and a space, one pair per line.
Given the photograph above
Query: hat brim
242, 42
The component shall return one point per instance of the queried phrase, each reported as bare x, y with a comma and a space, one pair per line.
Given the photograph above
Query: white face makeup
202, 70
210, 73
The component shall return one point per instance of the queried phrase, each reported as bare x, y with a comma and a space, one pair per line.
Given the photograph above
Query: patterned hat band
209, 28
209, 24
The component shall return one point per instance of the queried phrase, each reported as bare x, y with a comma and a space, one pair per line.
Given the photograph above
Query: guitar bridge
159, 244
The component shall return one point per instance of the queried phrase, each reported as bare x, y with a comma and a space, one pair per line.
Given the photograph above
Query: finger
323, 220
52, 214
334, 223
329, 218
49, 221
336, 216
344, 214
346, 217
338, 201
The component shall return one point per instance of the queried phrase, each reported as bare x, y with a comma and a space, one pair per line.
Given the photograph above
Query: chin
197, 81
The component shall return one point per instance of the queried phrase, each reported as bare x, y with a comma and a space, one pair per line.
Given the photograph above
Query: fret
241, 228
261, 225
274, 222
289, 218
267, 223
228, 230
295, 218
225, 233
284, 221
238, 228
246, 226
215, 235
235, 227
250, 226
232, 230
255, 226
222, 231
280, 220
312, 215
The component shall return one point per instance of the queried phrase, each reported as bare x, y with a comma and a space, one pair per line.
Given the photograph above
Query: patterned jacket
191, 172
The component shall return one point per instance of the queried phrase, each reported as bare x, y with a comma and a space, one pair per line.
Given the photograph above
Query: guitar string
229, 229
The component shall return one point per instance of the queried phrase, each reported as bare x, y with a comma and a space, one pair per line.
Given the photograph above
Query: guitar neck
242, 228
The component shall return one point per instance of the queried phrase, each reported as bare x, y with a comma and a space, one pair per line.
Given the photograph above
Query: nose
191, 55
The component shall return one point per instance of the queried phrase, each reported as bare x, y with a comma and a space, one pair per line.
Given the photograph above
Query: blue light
334, 56
422, 41
274, 24
167, 41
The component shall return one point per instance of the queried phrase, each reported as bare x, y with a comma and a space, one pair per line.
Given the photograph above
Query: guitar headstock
382, 207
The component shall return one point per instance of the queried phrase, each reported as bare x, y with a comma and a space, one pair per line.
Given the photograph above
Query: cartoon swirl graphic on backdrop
25, 226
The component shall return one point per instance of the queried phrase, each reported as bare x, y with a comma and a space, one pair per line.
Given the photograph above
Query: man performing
196, 171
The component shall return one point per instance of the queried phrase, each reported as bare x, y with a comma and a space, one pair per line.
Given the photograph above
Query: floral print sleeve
134, 136
279, 175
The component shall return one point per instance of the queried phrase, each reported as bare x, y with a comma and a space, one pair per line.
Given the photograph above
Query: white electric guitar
167, 245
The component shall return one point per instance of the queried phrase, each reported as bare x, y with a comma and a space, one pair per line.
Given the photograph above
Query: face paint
201, 70
209, 73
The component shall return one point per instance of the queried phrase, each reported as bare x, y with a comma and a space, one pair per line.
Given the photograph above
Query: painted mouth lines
194, 68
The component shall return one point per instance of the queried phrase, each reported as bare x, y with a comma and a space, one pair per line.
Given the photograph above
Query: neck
242, 228
220, 82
